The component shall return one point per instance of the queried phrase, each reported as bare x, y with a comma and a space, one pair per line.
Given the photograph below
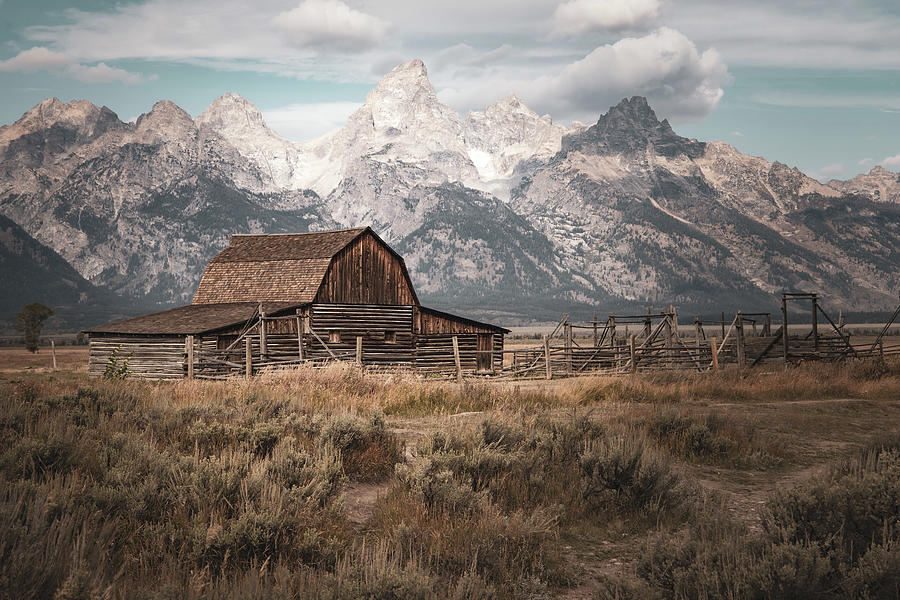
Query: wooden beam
189, 350
568, 347
53, 353
633, 354
715, 353
740, 340
815, 324
784, 329
456, 359
549, 367
248, 357
359, 352
299, 335
263, 348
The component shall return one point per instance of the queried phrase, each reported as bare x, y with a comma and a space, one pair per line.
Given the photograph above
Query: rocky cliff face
501, 211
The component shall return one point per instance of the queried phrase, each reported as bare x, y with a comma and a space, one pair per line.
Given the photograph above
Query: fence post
53, 353
632, 351
456, 359
714, 346
189, 349
263, 347
595, 330
300, 334
548, 367
815, 324
784, 328
768, 328
248, 357
568, 347
612, 330
739, 330
359, 350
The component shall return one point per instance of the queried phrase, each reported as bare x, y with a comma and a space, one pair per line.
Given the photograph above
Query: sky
811, 83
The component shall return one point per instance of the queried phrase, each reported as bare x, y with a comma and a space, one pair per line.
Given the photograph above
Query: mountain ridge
499, 208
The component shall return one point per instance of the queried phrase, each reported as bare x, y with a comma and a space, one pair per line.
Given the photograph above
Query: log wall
148, 357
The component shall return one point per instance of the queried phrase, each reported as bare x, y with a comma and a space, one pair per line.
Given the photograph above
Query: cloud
737, 133
103, 73
41, 59
679, 81
577, 17
831, 170
301, 122
330, 24
865, 162
891, 162
36, 59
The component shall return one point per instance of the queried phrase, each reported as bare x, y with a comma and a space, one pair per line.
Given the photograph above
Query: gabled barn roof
286, 267
192, 319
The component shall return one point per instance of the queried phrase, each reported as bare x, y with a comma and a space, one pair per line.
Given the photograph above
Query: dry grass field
330, 483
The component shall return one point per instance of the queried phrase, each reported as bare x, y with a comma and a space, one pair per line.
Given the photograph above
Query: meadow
333, 483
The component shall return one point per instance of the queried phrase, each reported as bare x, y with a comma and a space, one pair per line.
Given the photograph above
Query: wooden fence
620, 345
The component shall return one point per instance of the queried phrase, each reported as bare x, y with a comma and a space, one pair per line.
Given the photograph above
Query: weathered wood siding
386, 331
148, 357
434, 352
428, 322
366, 272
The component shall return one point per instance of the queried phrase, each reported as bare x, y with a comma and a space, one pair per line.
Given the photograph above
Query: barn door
485, 346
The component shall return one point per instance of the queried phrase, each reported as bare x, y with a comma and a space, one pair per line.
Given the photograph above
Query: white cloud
737, 133
103, 73
831, 170
582, 16
865, 162
41, 59
891, 162
664, 66
36, 59
301, 122
331, 24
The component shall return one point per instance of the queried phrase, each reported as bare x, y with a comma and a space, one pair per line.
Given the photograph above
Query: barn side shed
286, 298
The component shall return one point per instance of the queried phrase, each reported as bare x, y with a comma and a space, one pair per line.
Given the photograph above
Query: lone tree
30, 320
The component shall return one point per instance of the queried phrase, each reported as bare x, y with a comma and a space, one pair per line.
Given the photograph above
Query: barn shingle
272, 268
192, 319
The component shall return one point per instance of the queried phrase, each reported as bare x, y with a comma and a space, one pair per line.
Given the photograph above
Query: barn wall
431, 323
386, 331
366, 272
148, 357
434, 352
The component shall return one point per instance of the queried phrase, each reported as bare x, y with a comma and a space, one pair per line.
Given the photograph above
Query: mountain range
500, 213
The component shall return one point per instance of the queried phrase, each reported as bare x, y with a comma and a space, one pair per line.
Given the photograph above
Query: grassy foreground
332, 484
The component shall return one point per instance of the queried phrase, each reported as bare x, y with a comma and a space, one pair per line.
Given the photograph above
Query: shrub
623, 470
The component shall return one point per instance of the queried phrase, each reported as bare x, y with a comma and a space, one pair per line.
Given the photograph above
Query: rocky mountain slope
498, 212
34, 273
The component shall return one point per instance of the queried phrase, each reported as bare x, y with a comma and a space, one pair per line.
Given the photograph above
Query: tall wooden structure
279, 299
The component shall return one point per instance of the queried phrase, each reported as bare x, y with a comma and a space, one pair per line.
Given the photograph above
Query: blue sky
814, 84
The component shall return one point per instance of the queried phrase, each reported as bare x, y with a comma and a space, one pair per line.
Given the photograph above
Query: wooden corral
655, 342
269, 301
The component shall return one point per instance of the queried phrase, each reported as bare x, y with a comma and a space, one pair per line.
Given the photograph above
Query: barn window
390, 337
334, 337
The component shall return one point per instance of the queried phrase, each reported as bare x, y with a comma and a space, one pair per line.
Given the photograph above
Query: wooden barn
281, 299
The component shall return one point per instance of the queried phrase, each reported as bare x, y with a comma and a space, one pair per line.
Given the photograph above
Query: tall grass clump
834, 538
122, 489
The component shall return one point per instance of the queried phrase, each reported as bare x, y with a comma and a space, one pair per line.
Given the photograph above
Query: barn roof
281, 267
192, 319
